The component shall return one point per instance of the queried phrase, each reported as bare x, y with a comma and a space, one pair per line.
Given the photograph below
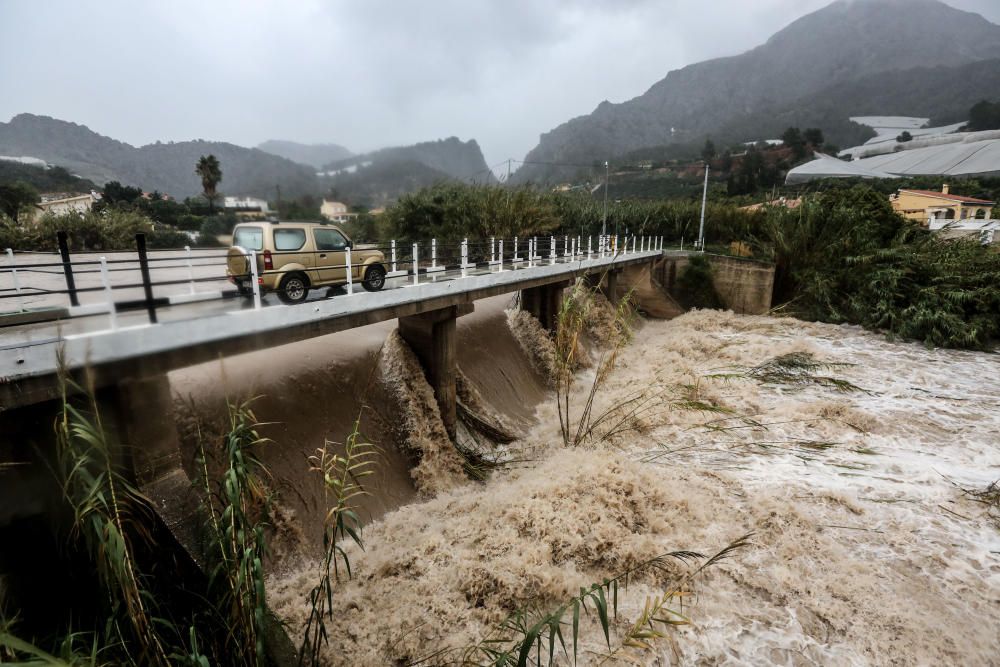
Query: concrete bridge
127, 365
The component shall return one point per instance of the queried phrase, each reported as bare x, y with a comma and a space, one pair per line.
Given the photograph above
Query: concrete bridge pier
544, 303
610, 286
431, 336
140, 410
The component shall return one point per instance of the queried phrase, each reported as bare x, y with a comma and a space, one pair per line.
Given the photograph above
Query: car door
331, 257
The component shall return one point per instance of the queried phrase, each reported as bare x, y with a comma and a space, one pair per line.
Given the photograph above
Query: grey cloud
362, 73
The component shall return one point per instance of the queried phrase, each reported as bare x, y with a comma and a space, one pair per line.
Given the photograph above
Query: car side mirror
349, 244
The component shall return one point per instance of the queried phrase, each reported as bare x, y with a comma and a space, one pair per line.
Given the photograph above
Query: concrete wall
744, 285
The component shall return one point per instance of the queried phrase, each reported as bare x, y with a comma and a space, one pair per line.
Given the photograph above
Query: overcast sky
362, 73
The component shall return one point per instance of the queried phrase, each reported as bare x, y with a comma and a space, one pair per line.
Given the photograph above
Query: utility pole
701, 226
607, 174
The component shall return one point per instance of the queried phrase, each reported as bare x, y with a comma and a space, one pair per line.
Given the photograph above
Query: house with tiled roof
930, 205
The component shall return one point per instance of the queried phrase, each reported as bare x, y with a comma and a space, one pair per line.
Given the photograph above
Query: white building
63, 205
246, 204
335, 211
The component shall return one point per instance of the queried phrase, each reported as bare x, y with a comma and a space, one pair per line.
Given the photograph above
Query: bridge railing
40, 286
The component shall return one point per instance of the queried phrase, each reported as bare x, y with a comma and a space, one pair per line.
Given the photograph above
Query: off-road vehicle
294, 257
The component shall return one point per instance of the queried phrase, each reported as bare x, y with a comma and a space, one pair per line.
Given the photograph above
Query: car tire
374, 278
293, 288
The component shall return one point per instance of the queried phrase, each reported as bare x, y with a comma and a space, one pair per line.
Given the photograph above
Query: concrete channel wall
744, 285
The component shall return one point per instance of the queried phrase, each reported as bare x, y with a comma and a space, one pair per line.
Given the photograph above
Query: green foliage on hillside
53, 179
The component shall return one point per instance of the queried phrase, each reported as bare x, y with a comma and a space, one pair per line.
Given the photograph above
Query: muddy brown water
865, 550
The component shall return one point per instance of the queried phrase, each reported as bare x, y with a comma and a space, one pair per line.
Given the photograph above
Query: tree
984, 116
211, 175
708, 152
116, 193
792, 138
814, 137
14, 197
904, 137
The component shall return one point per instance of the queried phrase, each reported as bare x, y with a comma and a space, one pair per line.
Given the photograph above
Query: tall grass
237, 507
148, 609
342, 476
110, 520
575, 312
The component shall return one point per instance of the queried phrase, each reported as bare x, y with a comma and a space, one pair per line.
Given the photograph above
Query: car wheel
293, 288
374, 278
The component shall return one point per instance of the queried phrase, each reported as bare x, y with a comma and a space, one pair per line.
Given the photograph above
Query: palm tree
211, 174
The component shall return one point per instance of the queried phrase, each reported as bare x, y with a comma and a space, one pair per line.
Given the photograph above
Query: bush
694, 288
845, 256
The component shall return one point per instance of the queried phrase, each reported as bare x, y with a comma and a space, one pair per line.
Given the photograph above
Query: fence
74, 285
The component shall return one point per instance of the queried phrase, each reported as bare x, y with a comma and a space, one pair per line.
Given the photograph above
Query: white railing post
501, 254
465, 255
416, 266
661, 244
577, 246
434, 253
682, 243
187, 250
493, 250
552, 250
565, 246
393, 246
615, 246
254, 280
17, 283
350, 271
108, 296
590, 240
516, 259
633, 244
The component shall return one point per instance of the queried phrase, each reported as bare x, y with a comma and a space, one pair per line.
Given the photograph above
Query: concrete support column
140, 411
611, 286
544, 302
432, 337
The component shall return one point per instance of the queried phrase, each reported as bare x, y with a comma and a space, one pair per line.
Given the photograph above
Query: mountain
315, 155
379, 177
452, 156
167, 167
843, 43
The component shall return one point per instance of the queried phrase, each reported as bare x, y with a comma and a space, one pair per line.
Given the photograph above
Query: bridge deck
28, 368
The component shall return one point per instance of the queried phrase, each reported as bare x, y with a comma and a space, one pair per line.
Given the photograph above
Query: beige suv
294, 257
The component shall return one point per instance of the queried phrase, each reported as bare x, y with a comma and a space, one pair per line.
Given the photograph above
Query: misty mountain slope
167, 167
452, 156
843, 42
380, 177
944, 94
314, 155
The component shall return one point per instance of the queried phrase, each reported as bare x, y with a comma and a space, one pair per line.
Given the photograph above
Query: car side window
289, 239
329, 239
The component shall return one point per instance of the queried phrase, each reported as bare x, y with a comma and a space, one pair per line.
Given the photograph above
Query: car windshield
251, 238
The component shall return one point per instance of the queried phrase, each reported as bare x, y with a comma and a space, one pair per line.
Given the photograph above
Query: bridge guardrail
148, 272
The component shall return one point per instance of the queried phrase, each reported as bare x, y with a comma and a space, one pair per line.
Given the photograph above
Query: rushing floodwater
865, 550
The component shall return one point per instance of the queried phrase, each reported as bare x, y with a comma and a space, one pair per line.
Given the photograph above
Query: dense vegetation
53, 179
